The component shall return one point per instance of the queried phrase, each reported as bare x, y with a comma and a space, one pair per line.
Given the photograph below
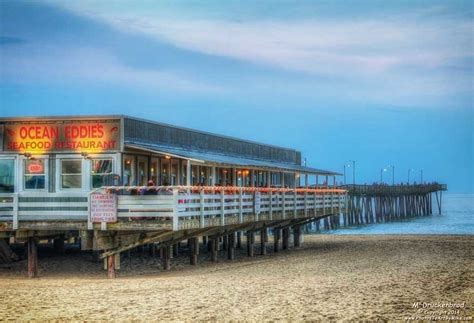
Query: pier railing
169, 207
386, 190
187, 207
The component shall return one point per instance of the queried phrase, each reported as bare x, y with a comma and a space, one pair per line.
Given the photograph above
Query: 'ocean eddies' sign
74, 135
103, 208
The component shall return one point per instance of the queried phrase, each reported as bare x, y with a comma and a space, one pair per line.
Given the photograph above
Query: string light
229, 188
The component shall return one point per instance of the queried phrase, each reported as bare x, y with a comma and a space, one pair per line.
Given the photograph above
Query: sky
378, 82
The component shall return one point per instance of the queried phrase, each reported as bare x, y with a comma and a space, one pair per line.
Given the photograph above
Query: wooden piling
231, 246
276, 239
225, 242
285, 237
263, 247
213, 244
250, 243
166, 258
296, 236
111, 273
194, 250
32, 258
239, 240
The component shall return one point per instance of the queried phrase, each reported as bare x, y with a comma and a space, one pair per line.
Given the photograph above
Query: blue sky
383, 83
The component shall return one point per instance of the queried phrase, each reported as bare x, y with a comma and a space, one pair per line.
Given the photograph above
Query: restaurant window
174, 172
71, 173
7, 173
154, 171
142, 171
165, 171
129, 170
101, 172
34, 174
194, 175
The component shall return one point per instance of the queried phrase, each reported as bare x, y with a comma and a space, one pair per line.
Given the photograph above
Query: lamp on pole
353, 171
421, 176
348, 166
381, 174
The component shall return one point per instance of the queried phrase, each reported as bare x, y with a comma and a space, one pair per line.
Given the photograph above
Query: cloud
46, 64
411, 56
324, 47
404, 58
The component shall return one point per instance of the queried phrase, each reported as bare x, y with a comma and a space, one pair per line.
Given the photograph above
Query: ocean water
457, 217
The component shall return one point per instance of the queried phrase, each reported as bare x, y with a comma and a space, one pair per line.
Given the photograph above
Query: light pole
348, 165
353, 171
381, 174
409, 172
393, 174
421, 176
344, 174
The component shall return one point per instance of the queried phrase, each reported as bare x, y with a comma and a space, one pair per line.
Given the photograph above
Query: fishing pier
368, 204
117, 183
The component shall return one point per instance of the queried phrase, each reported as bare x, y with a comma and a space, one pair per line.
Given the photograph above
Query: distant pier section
377, 203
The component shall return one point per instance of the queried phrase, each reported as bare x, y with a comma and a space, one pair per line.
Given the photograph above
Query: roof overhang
211, 158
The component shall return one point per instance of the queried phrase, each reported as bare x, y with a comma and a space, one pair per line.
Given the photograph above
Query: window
101, 172
35, 174
142, 171
7, 172
71, 173
128, 170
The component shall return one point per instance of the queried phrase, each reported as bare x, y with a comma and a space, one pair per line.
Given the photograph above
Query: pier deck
163, 216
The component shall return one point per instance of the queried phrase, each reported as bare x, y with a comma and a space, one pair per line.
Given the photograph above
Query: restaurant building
71, 154
104, 178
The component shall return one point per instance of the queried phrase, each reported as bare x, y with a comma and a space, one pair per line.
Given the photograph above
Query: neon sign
83, 136
36, 168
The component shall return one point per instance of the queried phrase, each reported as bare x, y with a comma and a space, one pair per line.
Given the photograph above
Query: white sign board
257, 201
103, 208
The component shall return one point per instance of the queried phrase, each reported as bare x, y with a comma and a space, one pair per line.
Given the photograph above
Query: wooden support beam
32, 258
111, 273
239, 239
276, 239
285, 237
263, 247
296, 236
194, 250
250, 242
214, 243
225, 242
231, 246
166, 258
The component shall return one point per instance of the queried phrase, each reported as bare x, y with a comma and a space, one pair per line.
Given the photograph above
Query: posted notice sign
103, 208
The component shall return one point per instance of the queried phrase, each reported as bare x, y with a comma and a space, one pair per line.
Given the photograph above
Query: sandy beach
328, 278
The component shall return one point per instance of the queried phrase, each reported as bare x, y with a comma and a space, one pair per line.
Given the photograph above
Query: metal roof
33, 118
224, 160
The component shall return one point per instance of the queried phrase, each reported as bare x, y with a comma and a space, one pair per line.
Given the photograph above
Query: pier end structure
119, 182
367, 204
